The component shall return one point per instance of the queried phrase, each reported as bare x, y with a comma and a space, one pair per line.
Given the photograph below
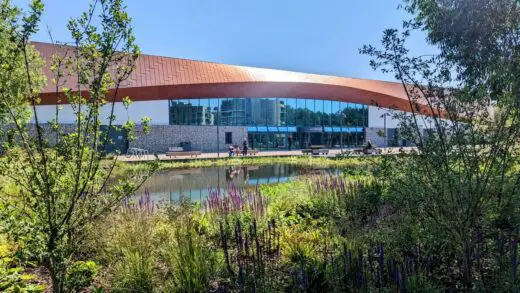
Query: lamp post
385, 130
218, 129
342, 116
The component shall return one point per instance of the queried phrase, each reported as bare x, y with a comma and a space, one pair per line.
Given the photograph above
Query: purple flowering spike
381, 261
514, 255
403, 279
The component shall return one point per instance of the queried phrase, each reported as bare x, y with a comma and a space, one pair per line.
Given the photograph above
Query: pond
195, 183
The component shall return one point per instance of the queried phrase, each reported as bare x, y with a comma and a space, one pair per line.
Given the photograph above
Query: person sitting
368, 147
231, 150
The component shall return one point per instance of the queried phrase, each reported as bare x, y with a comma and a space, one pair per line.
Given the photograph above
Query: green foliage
192, 263
17, 94
12, 280
461, 187
134, 273
61, 176
80, 275
129, 245
12, 275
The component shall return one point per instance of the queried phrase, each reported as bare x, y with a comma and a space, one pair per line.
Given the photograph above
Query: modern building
210, 105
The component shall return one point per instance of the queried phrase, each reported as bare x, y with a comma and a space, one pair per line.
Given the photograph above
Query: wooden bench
306, 151
249, 152
183, 154
320, 152
315, 151
363, 151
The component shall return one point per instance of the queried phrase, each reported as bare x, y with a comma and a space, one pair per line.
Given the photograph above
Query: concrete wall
376, 118
202, 138
157, 110
372, 135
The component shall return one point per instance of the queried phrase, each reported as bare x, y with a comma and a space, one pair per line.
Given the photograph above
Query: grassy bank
318, 162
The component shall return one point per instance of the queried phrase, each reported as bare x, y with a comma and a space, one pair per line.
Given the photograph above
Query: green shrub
80, 275
135, 273
128, 246
190, 261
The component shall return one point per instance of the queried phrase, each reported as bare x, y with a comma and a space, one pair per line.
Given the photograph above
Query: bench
363, 151
306, 151
320, 152
315, 151
249, 152
183, 154
136, 152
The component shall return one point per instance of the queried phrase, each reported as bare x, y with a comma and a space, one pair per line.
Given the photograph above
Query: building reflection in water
194, 184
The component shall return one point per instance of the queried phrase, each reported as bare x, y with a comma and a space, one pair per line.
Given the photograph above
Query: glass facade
278, 123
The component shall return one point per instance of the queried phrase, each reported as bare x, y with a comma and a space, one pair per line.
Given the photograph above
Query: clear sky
315, 36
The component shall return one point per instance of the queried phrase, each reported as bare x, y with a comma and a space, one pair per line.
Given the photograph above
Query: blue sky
315, 36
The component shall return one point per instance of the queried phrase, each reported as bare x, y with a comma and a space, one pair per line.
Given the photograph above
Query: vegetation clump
442, 218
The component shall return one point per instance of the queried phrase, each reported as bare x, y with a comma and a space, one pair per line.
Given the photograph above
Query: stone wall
202, 138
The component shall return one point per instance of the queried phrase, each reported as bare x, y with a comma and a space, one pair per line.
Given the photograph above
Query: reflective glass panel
290, 107
299, 117
327, 110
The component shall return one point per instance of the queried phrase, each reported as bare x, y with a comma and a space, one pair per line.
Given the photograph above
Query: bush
129, 246
135, 273
190, 261
80, 275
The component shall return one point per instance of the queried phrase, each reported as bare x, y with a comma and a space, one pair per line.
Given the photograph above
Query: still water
166, 185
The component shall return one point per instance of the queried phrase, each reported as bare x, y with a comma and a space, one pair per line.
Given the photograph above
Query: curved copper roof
160, 78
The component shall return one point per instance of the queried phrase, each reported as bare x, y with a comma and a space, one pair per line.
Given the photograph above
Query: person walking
289, 141
244, 147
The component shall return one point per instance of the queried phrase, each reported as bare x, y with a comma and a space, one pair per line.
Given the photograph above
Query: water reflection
194, 183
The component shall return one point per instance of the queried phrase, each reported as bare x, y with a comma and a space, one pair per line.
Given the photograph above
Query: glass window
311, 114
214, 111
226, 112
171, 114
319, 112
336, 113
258, 111
180, 112
196, 116
272, 111
283, 111
346, 114
191, 111
236, 111
299, 117
290, 107
205, 117
327, 111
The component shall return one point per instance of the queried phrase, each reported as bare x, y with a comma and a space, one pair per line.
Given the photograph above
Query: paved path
203, 156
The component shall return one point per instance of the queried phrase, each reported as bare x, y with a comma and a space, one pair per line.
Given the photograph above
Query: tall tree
14, 88
63, 180
461, 188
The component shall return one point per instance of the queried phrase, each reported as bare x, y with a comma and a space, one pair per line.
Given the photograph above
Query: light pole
385, 130
342, 116
218, 129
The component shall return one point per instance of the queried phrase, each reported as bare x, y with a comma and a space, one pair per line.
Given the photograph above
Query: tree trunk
467, 266
56, 278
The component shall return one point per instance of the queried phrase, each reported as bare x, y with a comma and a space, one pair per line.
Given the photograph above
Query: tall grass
335, 235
